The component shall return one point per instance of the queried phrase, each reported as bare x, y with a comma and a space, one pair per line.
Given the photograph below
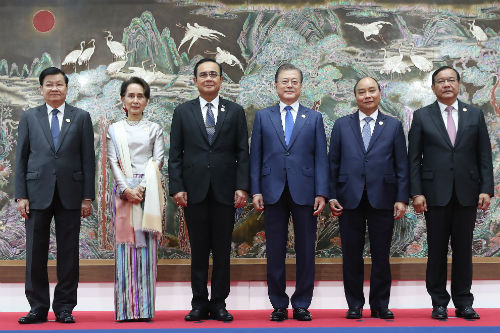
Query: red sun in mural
44, 20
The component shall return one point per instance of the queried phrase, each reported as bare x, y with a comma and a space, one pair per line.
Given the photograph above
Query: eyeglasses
443, 81
204, 75
287, 82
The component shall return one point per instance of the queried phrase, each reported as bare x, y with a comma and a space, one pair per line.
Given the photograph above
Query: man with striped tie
208, 176
289, 176
368, 186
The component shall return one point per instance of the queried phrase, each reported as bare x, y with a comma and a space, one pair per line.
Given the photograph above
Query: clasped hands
134, 195
240, 199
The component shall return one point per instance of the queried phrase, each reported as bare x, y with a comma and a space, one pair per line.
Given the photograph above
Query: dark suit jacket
194, 165
436, 167
383, 165
39, 164
304, 163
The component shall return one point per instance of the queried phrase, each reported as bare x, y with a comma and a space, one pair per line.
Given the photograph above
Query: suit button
208, 166
287, 154
366, 160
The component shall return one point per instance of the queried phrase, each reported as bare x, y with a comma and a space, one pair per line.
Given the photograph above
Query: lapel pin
380, 123
464, 109
67, 120
303, 116
222, 108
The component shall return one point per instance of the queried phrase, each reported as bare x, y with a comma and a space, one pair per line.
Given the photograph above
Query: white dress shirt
294, 111
454, 113
371, 123
204, 108
60, 114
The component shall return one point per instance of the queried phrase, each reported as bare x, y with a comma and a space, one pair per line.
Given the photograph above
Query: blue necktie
54, 127
288, 124
210, 123
366, 133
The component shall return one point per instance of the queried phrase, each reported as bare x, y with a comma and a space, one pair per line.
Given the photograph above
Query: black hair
203, 61
136, 80
442, 68
285, 67
52, 71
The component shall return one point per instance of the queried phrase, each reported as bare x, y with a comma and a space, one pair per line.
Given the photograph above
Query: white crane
116, 66
196, 31
421, 62
370, 29
117, 48
394, 64
223, 56
148, 76
477, 32
73, 56
84, 58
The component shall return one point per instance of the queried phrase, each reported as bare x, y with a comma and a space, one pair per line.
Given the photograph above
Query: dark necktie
288, 124
54, 127
366, 133
210, 123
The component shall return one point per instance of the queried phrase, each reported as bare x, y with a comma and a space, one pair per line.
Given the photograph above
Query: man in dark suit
208, 176
451, 175
368, 186
289, 175
55, 177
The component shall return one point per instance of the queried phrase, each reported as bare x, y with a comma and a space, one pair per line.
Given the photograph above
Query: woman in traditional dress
135, 153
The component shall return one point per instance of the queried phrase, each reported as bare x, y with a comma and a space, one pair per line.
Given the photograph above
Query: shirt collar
362, 116
215, 102
295, 106
60, 108
442, 106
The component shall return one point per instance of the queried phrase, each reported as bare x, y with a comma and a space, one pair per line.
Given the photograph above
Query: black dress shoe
196, 315
221, 314
302, 314
382, 313
439, 312
467, 312
33, 318
354, 313
279, 314
65, 317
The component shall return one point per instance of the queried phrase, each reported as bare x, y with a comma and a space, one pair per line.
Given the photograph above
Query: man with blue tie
289, 175
368, 186
55, 178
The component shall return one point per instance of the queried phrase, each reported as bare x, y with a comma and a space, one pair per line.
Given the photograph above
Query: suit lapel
462, 120
276, 121
198, 117
379, 127
221, 116
66, 123
43, 119
437, 118
302, 118
354, 122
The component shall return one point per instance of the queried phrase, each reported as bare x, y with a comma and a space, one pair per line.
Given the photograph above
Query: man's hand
181, 199
399, 210
319, 204
86, 209
258, 202
335, 207
419, 203
134, 195
240, 198
484, 201
23, 206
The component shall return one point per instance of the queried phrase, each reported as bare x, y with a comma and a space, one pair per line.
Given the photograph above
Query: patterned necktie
54, 127
288, 124
210, 123
366, 133
450, 125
